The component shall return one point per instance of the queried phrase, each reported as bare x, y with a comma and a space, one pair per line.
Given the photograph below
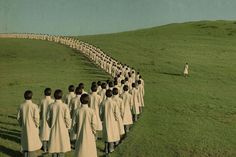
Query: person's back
44, 128
85, 129
28, 118
59, 121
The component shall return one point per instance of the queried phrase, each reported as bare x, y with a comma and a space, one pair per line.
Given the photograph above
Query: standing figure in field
28, 118
127, 112
43, 108
186, 70
59, 121
135, 101
85, 129
95, 102
70, 95
111, 132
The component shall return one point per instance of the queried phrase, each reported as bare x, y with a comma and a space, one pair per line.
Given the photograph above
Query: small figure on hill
186, 70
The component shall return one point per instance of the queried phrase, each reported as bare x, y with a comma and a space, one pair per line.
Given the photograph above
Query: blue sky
80, 17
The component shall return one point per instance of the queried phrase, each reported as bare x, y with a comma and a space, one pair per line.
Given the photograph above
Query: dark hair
99, 83
58, 94
94, 88
126, 79
93, 83
115, 83
28, 95
115, 78
139, 81
104, 85
108, 93
108, 81
115, 91
110, 84
140, 76
122, 81
71, 88
78, 91
81, 85
47, 91
133, 84
125, 88
84, 99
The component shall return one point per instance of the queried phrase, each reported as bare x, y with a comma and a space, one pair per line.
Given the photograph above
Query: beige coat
127, 112
95, 102
69, 97
28, 118
141, 94
120, 105
110, 118
85, 129
59, 121
75, 105
135, 100
44, 128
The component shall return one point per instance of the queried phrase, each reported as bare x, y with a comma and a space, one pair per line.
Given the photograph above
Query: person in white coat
95, 102
85, 129
111, 132
28, 118
75, 105
103, 91
186, 70
127, 112
70, 95
43, 108
59, 121
120, 106
135, 100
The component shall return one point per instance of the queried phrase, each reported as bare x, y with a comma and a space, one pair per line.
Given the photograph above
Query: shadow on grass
12, 136
9, 152
171, 74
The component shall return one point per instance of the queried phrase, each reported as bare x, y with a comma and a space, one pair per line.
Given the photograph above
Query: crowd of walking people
78, 119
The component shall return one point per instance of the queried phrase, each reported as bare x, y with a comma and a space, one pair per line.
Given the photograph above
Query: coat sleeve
19, 117
76, 123
67, 118
93, 123
49, 117
116, 112
36, 116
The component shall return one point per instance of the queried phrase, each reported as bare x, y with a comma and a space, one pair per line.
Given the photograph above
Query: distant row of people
109, 107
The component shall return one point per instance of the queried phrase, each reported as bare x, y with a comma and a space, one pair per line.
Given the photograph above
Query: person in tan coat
135, 100
70, 95
111, 132
95, 102
59, 121
44, 128
28, 118
127, 112
85, 129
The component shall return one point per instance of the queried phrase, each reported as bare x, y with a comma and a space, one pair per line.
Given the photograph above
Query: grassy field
31, 64
192, 117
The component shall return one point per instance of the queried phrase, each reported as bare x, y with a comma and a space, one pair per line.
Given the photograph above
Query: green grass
31, 64
193, 117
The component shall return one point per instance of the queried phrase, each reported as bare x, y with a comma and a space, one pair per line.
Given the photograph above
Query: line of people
110, 107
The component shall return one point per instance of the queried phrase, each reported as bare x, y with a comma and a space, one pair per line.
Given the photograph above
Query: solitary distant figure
186, 70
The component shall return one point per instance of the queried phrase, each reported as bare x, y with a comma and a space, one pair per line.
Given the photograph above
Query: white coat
135, 100
95, 102
28, 118
44, 128
127, 112
85, 129
59, 121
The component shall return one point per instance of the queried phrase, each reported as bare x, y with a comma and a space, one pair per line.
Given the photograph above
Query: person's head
93, 83
122, 81
47, 91
133, 85
108, 81
71, 88
115, 91
84, 99
140, 76
78, 91
129, 74
137, 73
99, 83
115, 83
94, 88
81, 85
186, 63
111, 84
104, 85
28, 95
108, 93
126, 79
58, 94
139, 82
115, 78
125, 88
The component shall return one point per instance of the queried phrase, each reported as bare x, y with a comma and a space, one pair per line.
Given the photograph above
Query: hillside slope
183, 117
